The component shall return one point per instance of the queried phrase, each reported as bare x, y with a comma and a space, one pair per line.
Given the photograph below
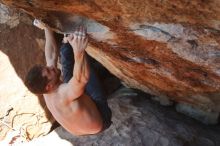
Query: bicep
75, 89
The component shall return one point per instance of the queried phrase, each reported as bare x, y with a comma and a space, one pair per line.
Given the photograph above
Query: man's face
52, 74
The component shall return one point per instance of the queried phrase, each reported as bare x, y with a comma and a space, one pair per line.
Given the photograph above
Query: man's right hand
79, 41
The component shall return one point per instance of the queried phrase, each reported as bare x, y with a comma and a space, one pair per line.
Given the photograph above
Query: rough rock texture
20, 110
166, 48
173, 55
137, 121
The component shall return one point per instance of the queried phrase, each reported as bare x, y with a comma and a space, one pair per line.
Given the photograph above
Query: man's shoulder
59, 94
62, 90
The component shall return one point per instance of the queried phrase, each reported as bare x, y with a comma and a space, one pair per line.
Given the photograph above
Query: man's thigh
67, 61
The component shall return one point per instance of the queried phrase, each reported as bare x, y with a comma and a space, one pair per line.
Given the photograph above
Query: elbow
85, 77
83, 80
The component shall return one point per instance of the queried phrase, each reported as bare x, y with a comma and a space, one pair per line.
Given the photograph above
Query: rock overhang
166, 48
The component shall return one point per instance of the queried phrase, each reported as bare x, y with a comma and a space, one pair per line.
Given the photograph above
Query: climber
77, 101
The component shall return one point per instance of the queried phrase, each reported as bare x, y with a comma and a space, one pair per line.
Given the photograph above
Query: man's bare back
79, 117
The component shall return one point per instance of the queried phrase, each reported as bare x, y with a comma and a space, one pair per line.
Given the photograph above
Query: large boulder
167, 48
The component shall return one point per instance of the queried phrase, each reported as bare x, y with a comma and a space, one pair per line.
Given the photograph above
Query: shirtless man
78, 102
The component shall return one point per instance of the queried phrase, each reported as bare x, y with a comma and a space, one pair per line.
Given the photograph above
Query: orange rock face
167, 48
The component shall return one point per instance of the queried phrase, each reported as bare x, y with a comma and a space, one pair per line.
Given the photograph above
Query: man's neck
55, 88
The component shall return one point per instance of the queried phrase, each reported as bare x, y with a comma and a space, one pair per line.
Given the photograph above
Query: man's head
42, 79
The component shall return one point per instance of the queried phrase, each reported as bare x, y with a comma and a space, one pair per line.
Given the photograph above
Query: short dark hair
35, 81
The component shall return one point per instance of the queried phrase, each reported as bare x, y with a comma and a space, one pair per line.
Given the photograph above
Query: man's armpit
74, 90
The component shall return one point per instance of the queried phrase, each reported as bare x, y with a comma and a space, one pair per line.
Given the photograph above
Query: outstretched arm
50, 46
77, 83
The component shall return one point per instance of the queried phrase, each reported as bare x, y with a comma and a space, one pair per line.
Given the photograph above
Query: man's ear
49, 87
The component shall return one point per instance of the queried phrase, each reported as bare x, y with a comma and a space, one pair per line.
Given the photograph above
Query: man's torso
79, 117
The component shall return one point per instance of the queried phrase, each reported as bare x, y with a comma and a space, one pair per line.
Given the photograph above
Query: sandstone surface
165, 48
138, 121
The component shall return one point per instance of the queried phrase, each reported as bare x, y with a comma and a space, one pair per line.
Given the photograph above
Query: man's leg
67, 61
93, 87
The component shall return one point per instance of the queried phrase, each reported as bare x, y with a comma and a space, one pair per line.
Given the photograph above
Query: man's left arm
50, 45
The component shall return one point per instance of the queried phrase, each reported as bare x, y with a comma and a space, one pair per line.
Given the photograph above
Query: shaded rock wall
166, 48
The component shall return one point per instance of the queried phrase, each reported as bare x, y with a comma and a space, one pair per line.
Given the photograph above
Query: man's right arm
77, 83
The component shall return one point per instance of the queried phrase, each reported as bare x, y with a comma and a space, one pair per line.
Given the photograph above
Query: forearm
81, 68
76, 85
50, 48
